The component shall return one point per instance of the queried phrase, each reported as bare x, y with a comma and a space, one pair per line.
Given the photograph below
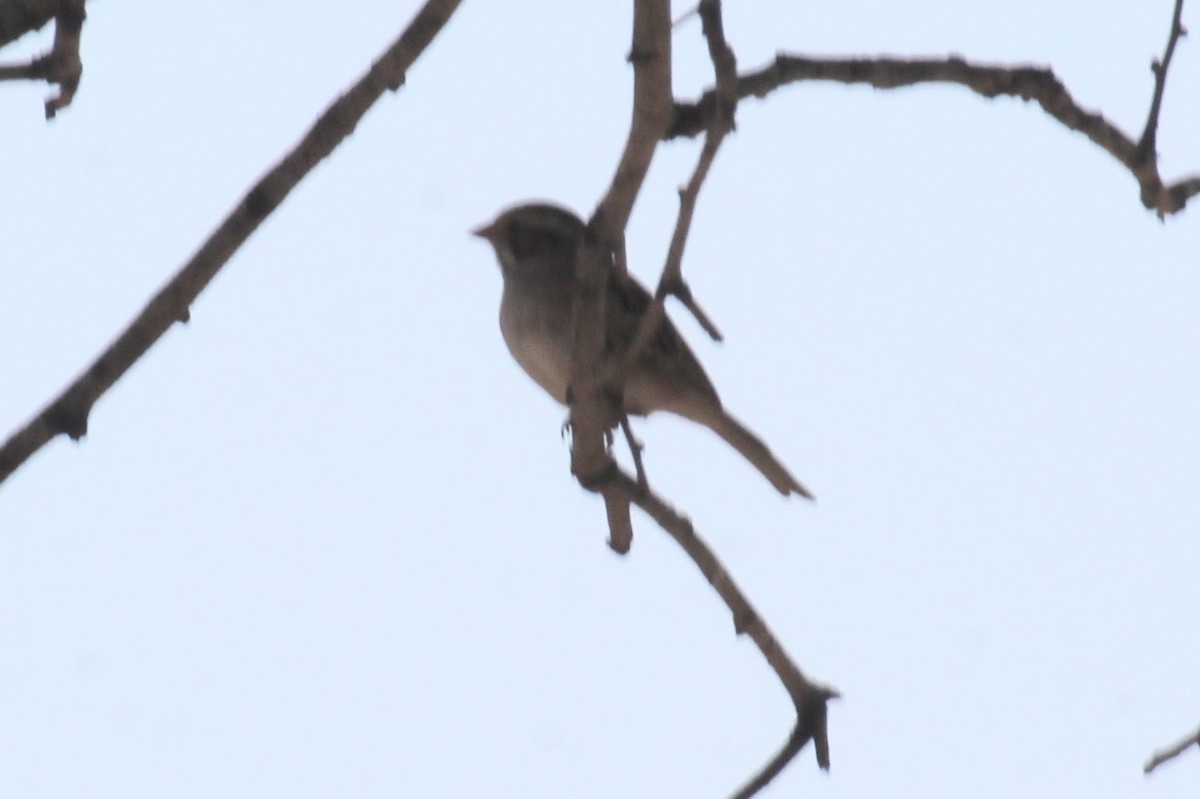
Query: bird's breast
539, 338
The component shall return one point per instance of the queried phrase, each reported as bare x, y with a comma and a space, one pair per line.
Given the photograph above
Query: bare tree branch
1147, 143
620, 524
63, 64
671, 281
650, 55
592, 411
1171, 752
635, 451
808, 698
596, 378
68, 413
1038, 84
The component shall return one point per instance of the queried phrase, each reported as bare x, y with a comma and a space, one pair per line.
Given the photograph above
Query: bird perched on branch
536, 246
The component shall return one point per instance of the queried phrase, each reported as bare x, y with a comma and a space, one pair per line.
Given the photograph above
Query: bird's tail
754, 450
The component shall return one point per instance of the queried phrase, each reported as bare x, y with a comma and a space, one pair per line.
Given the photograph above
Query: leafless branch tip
1147, 143
1171, 752
809, 698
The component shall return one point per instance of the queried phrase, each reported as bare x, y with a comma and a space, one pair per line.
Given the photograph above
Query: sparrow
536, 245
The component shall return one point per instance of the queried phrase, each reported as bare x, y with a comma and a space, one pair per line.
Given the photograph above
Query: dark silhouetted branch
62, 65
1147, 144
1171, 752
592, 412
597, 376
808, 698
720, 124
68, 413
1036, 84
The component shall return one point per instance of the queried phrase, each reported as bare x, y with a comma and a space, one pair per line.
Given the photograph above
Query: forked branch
720, 124
597, 376
592, 412
1036, 84
809, 698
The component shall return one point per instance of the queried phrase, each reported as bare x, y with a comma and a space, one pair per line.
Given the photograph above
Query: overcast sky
323, 541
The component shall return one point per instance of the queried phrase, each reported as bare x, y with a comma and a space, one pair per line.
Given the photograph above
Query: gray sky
323, 540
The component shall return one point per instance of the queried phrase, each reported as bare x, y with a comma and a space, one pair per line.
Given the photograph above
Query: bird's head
532, 233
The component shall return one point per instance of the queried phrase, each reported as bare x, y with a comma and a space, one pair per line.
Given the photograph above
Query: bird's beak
486, 232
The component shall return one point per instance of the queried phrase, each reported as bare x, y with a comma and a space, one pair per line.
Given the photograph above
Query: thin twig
720, 124
68, 413
1147, 143
808, 698
685, 16
683, 293
591, 464
635, 451
1171, 752
1037, 84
